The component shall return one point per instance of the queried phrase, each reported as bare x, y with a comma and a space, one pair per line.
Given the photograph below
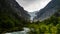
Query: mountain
49, 10
54, 19
12, 16
14, 8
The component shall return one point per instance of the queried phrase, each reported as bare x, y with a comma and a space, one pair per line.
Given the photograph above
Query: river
26, 30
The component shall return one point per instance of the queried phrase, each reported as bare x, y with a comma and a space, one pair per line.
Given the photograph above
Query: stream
26, 30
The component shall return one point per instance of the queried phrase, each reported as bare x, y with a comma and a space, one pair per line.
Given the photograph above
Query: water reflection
26, 30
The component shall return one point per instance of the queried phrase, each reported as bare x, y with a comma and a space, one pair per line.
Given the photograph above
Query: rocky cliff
49, 10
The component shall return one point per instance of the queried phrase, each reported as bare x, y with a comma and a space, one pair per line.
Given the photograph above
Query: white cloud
33, 5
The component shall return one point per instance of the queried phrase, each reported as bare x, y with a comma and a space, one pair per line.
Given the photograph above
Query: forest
48, 26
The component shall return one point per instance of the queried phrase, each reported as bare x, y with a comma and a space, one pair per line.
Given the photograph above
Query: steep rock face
12, 16
14, 7
47, 11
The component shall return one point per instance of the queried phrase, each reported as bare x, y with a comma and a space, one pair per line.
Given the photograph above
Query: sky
33, 5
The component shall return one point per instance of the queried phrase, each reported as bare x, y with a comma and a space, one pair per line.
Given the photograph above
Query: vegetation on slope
11, 18
9, 22
48, 26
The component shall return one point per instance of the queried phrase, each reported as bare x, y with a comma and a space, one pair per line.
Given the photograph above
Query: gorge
14, 19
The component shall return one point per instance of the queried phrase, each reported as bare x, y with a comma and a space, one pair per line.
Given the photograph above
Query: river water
26, 30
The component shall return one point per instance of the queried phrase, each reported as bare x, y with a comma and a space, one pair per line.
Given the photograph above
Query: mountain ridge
49, 10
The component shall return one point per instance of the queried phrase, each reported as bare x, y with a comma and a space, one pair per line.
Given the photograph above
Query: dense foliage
48, 26
9, 22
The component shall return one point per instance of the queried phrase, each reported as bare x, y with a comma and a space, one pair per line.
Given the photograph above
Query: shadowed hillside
12, 16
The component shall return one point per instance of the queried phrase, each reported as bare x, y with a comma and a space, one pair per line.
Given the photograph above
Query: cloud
33, 5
